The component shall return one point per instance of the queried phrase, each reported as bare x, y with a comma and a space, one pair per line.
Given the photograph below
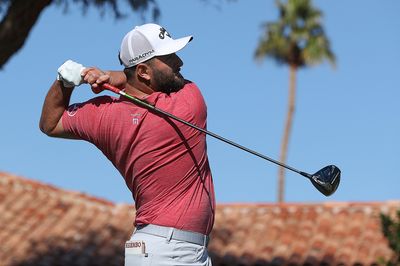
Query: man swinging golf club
164, 162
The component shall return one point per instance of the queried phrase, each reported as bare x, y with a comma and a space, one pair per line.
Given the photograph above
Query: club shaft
152, 107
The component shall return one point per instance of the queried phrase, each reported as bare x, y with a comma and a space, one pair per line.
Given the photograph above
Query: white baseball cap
147, 41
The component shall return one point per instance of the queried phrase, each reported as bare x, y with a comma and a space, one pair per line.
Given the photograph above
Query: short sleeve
84, 119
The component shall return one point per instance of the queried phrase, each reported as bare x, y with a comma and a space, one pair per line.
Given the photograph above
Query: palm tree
297, 39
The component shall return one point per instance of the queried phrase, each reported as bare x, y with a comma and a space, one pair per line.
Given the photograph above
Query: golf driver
325, 180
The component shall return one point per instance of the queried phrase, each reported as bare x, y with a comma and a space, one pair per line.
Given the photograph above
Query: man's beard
168, 83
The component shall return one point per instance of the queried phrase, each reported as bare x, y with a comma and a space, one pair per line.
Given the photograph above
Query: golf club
325, 180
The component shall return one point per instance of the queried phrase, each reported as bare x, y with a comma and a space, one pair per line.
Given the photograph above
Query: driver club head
326, 180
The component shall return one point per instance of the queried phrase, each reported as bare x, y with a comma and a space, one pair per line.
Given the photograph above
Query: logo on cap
163, 32
132, 60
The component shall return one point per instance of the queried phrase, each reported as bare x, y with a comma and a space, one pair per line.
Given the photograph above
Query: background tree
19, 17
297, 39
391, 230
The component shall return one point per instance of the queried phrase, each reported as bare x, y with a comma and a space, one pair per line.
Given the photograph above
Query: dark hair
130, 72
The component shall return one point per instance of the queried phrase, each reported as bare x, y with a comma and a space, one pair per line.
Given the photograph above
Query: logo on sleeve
73, 109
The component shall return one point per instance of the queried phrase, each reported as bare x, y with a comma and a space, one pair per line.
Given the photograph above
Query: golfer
164, 163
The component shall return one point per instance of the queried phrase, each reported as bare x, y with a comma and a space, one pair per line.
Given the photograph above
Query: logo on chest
136, 118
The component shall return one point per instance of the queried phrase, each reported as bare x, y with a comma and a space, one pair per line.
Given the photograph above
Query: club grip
105, 86
109, 87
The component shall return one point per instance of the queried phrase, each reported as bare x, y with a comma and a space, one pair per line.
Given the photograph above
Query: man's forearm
72, 74
55, 103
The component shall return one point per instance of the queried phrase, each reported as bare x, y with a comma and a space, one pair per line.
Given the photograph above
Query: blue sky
348, 116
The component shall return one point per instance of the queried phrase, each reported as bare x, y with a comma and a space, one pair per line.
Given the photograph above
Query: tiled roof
45, 225
301, 234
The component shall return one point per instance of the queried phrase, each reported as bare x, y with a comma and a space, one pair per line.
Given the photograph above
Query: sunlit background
348, 115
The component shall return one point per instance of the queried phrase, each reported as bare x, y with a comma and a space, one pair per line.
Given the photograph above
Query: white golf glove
70, 74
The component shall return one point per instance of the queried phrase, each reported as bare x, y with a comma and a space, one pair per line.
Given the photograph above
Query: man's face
166, 73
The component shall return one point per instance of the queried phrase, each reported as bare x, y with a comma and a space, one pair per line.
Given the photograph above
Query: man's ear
143, 72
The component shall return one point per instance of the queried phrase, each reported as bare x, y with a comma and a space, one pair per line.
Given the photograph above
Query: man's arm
71, 74
55, 103
58, 97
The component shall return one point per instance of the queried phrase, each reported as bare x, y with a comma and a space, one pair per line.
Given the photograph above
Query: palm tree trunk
287, 131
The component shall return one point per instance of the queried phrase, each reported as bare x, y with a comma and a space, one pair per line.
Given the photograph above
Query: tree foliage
297, 38
114, 6
19, 16
391, 230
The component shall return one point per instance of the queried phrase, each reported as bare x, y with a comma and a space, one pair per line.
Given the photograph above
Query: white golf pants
145, 249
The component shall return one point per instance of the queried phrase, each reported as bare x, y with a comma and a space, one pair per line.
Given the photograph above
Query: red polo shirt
164, 162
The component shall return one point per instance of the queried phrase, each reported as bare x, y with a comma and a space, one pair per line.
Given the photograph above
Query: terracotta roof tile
301, 234
55, 225
61, 227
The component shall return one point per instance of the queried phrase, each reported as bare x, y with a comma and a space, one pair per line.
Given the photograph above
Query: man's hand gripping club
73, 74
